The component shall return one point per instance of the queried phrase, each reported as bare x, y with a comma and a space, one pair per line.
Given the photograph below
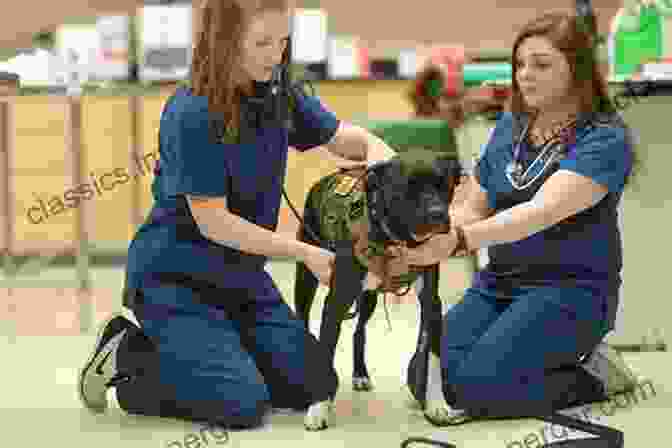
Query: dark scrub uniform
222, 342
514, 342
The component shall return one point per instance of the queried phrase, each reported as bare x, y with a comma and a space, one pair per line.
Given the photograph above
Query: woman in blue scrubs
527, 335
214, 340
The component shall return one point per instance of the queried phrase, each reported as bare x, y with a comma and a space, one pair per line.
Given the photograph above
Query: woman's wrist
302, 251
377, 150
461, 246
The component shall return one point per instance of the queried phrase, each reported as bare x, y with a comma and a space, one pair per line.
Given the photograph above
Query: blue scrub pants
223, 356
515, 353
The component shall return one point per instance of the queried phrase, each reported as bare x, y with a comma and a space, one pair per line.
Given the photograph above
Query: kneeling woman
527, 335
216, 342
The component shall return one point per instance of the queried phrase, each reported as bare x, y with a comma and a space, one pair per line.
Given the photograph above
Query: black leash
605, 437
426, 441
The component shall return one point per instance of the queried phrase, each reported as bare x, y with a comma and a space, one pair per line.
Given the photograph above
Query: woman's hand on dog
321, 263
433, 251
388, 271
347, 165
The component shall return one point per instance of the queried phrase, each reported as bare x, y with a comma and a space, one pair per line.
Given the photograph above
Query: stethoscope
514, 169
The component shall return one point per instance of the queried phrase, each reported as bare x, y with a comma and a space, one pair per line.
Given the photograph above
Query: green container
633, 48
476, 74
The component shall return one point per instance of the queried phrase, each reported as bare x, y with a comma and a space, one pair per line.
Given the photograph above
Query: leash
426, 441
605, 437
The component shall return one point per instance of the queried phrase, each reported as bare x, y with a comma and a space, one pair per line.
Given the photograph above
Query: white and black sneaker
100, 371
607, 365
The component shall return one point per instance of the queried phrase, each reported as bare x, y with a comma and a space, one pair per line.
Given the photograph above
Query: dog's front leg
361, 381
436, 408
346, 288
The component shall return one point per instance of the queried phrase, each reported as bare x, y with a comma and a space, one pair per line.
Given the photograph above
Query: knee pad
211, 414
250, 419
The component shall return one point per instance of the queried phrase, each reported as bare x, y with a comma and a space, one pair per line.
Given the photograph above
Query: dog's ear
391, 179
449, 170
446, 167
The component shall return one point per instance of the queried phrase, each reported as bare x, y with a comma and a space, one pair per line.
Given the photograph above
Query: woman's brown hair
574, 36
216, 58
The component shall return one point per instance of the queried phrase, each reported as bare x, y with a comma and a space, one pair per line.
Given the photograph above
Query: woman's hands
386, 270
437, 249
346, 165
398, 261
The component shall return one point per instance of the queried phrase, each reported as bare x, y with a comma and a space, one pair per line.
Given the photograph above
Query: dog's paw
439, 413
319, 415
362, 383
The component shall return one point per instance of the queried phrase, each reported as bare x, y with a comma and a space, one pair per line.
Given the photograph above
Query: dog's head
408, 196
407, 200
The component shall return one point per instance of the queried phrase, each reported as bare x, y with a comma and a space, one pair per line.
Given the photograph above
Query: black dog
404, 200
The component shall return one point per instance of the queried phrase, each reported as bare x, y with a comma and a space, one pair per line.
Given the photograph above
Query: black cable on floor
606, 437
427, 441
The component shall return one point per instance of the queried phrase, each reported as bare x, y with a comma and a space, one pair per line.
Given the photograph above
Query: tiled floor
39, 406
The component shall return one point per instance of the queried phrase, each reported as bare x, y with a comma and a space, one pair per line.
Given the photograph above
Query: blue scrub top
583, 250
192, 162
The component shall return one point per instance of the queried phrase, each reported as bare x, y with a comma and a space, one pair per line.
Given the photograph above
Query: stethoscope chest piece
514, 169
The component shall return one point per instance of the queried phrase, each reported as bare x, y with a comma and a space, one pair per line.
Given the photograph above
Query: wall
645, 212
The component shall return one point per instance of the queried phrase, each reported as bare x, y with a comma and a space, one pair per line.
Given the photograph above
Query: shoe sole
624, 381
451, 421
82, 373
319, 416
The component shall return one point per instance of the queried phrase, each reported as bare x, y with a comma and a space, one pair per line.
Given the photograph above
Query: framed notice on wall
165, 42
77, 47
309, 36
113, 49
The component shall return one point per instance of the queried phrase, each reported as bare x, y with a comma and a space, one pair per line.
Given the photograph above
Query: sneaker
100, 372
607, 365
